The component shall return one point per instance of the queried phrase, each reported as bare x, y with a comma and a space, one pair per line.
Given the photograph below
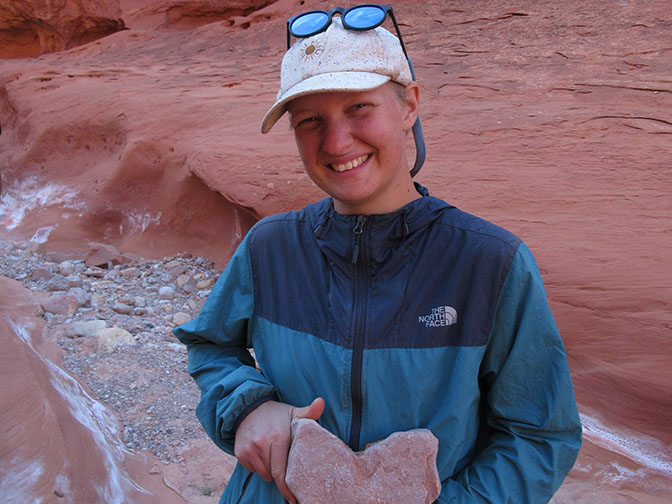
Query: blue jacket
424, 317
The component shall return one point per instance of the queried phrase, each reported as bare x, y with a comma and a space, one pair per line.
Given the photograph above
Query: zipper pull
358, 229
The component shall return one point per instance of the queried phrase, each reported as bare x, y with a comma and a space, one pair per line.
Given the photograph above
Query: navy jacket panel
418, 260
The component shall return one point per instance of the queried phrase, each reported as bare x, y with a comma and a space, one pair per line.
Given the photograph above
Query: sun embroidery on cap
312, 50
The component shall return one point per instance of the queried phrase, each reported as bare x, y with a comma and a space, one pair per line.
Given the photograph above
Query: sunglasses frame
387, 11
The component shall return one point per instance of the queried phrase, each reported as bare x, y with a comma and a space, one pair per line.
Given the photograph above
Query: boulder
166, 292
40, 273
66, 268
401, 469
83, 297
61, 304
107, 340
101, 254
85, 328
132, 272
181, 318
122, 308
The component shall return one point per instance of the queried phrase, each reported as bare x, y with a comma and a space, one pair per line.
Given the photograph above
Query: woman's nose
337, 138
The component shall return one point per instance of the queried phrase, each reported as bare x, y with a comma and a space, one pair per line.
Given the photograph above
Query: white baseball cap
338, 60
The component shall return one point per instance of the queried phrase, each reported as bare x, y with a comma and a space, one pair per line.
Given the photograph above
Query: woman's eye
306, 122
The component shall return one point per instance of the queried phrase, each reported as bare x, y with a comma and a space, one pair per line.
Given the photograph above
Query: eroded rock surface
29, 28
185, 14
401, 469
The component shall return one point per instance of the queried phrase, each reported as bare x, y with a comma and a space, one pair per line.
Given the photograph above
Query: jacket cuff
250, 408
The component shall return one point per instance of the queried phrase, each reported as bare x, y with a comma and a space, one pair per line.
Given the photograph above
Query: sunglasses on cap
357, 18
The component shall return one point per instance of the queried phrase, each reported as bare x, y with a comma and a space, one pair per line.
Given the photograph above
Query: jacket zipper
360, 299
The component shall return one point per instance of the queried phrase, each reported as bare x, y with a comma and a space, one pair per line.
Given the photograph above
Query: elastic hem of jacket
250, 408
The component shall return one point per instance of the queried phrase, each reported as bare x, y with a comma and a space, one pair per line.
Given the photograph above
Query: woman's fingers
253, 460
313, 411
263, 440
279, 453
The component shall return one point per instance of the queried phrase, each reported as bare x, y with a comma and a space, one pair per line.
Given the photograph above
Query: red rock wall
29, 28
181, 14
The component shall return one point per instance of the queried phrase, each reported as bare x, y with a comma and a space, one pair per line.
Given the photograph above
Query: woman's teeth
350, 164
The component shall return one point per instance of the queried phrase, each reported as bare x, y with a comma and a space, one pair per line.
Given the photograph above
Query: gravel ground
145, 380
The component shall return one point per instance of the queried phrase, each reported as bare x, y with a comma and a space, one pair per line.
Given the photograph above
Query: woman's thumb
313, 412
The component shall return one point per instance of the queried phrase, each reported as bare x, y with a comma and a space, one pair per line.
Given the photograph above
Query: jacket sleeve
533, 431
217, 342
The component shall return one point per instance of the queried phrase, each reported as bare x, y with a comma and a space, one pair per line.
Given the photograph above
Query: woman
380, 308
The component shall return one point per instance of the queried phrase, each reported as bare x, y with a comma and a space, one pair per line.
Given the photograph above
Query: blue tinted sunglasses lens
309, 23
365, 17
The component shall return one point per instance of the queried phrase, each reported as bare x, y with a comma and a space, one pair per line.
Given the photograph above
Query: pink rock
62, 304
40, 273
102, 255
401, 469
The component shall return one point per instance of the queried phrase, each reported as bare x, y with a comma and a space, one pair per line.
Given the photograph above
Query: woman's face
352, 146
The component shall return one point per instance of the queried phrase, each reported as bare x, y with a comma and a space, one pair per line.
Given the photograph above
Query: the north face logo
440, 316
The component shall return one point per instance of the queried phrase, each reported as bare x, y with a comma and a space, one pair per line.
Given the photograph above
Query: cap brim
322, 83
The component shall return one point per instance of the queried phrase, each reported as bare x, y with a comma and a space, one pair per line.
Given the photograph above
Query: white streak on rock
642, 449
28, 195
17, 478
96, 418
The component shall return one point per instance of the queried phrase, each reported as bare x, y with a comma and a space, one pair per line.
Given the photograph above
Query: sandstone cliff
550, 119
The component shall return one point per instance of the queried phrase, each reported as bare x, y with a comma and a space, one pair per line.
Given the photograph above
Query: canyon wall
552, 120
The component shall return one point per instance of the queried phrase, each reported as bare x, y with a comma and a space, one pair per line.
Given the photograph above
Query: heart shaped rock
400, 469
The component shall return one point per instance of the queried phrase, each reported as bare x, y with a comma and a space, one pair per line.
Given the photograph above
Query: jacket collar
384, 232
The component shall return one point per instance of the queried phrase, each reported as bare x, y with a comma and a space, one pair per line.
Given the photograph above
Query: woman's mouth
350, 164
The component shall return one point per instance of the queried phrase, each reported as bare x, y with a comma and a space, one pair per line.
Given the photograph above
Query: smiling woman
405, 312
352, 146
368, 61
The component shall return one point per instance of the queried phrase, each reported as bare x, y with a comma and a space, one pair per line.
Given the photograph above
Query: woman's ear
411, 106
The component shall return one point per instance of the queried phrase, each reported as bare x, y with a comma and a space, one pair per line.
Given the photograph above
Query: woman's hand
263, 439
